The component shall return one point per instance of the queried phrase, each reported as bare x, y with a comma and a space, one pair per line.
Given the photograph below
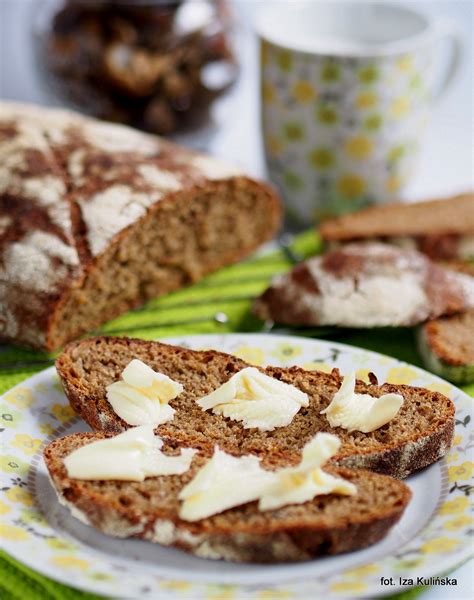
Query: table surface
446, 165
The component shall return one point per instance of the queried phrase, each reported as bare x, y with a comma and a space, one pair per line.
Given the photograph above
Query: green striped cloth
217, 304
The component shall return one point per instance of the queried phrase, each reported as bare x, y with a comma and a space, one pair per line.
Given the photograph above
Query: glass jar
154, 64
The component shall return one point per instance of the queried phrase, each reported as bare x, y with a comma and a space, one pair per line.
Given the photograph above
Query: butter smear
130, 456
256, 400
360, 412
142, 397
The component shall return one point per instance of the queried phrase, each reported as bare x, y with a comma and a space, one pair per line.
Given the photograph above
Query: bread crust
397, 459
76, 190
277, 540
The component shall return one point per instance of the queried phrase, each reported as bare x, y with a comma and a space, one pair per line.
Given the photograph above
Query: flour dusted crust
69, 187
365, 285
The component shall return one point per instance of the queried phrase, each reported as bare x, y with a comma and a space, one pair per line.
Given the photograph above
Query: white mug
346, 91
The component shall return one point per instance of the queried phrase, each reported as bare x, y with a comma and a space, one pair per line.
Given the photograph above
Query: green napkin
217, 304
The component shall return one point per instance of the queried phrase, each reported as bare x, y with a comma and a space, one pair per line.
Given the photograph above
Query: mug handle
448, 30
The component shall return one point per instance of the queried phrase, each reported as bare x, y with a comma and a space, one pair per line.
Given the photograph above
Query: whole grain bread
96, 218
447, 347
365, 285
329, 524
417, 436
443, 229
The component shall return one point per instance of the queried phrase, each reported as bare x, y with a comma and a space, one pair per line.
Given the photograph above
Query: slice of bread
149, 510
440, 228
365, 285
447, 347
417, 436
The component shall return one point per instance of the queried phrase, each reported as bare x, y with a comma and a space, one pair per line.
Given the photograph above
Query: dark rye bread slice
447, 347
438, 228
365, 285
97, 218
149, 510
417, 436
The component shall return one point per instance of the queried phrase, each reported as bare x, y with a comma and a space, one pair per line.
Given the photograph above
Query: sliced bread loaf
442, 229
447, 347
149, 510
97, 218
365, 285
417, 436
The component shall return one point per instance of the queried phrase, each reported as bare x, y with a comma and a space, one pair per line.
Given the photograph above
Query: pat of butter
224, 482
360, 412
256, 399
142, 396
296, 485
129, 456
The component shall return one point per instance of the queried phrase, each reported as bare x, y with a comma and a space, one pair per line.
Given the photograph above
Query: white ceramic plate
431, 538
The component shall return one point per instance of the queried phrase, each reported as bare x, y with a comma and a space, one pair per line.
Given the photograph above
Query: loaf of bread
97, 218
419, 434
447, 346
442, 229
365, 285
328, 524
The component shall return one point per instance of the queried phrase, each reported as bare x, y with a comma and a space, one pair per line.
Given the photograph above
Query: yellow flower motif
15, 534
274, 145
400, 107
220, 592
269, 92
318, 366
363, 571
396, 153
252, 355
285, 352
21, 397
330, 72
4, 508
9, 418
393, 183
351, 185
13, 465
321, 158
294, 131
284, 60
62, 412
359, 147
401, 375
70, 562
373, 122
175, 585
368, 74
58, 544
366, 99
442, 388
441, 544
405, 63
26, 443
33, 516
274, 595
462, 472
457, 439
453, 507
458, 523
265, 52
304, 92
363, 374
46, 428
452, 457
327, 115
348, 587
16, 494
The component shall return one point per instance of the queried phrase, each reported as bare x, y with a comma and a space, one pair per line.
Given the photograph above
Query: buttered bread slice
419, 433
150, 509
